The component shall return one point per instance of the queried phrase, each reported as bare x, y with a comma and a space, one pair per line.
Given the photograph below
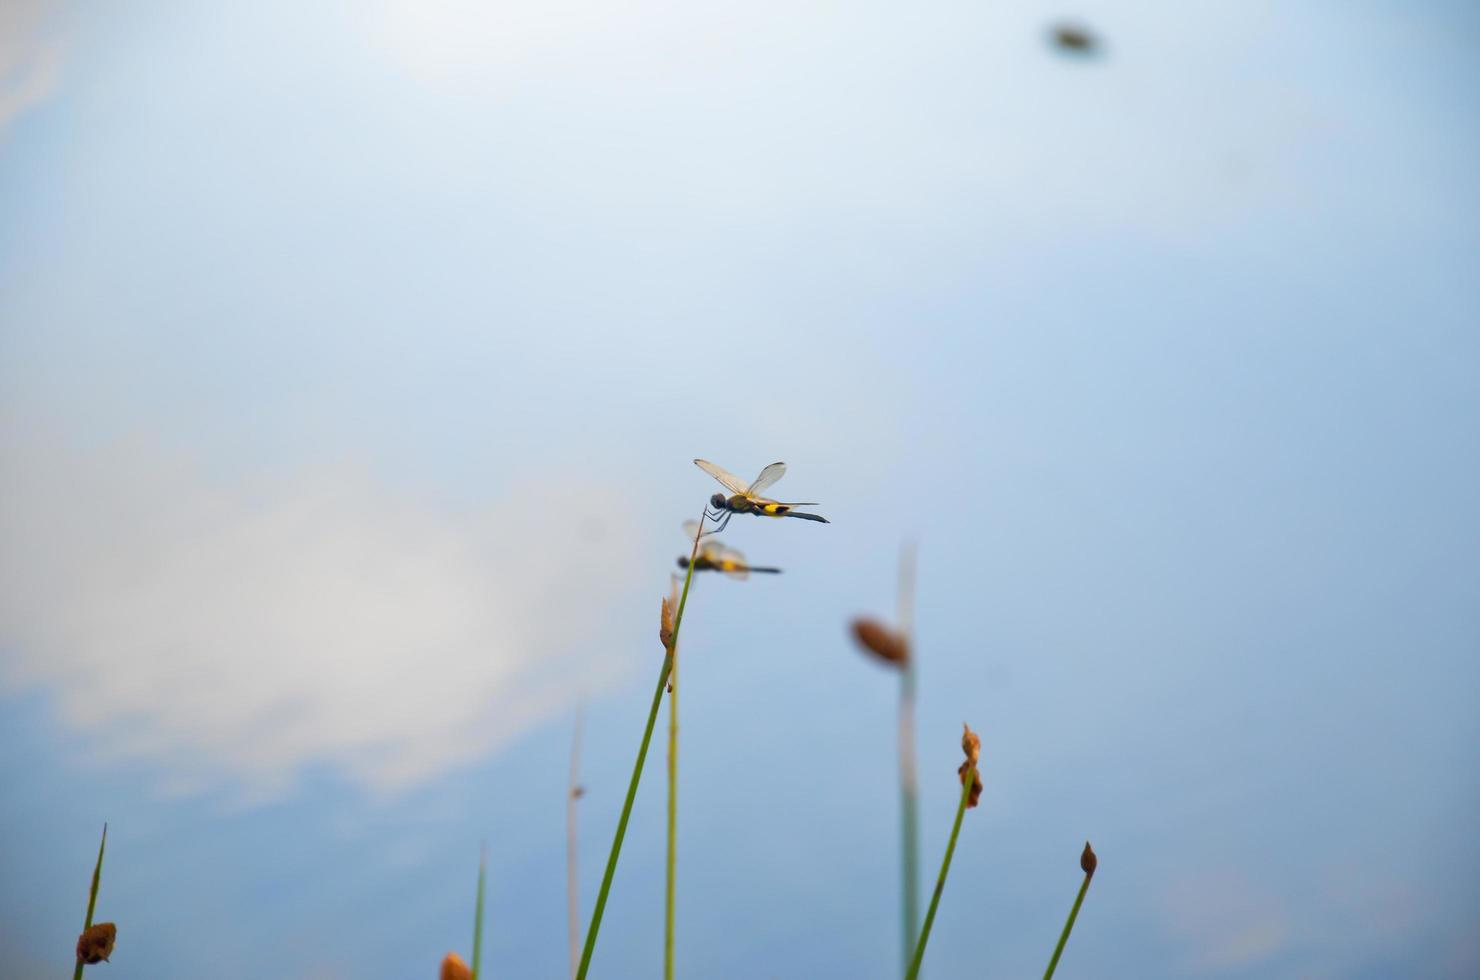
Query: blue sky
352, 358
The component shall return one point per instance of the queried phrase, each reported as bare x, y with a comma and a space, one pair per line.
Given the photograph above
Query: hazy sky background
353, 356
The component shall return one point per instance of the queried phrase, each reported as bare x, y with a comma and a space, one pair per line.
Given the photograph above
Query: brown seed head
453, 968
95, 944
1088, 862
1074, 38
971, 744
667, 612
888, 645
976, 783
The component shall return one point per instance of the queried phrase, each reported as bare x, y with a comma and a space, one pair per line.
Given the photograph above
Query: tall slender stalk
92, 896
572, 882
940, 883
1088, 862
668, 904
908, 791
647, 735
478, 911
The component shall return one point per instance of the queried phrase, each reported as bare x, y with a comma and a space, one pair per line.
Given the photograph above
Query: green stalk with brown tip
92, 897
940, 883
647, 735
1088, 862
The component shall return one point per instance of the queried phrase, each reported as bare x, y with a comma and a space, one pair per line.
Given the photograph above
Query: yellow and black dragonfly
745, 499
715, 557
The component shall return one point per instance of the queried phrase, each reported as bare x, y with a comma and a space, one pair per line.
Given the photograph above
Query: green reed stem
909, 824
668, 905
572, 880
940, 883
1068, 927
647, 735
92, 896
478, 911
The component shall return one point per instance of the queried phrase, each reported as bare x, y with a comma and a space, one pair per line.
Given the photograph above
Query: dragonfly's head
683, 561
718, 501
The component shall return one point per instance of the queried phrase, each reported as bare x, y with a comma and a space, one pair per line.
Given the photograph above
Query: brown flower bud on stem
1088, 862
95, 944
665, 615
453, 968
887, 644
971, 789
976, 788
971, 744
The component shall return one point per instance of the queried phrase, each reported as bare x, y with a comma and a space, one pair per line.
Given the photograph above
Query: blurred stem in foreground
92, 897
970, 792
673, 764
478, 911
1088, 862
669, 636
909, 827
573, 792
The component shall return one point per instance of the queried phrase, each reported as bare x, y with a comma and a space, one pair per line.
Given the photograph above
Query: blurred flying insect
714, 557
746, 500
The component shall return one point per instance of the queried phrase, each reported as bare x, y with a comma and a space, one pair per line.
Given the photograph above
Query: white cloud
30, 56
237, 633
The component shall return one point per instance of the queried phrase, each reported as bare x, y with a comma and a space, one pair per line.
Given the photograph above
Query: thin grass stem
668, 904
572, 881
670, 871
92, 896
647, 735
908, 792
940, 883
478, 911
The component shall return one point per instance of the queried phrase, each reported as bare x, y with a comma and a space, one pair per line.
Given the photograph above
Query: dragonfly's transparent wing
768, 476
711, 550
730, 481
690, 528
733, 563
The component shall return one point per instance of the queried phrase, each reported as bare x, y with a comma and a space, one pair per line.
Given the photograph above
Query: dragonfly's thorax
740, 504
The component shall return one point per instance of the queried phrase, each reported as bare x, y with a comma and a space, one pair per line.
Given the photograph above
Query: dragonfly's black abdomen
806, 517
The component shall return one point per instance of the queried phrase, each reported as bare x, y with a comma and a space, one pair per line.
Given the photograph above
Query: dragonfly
714, 557
745, 499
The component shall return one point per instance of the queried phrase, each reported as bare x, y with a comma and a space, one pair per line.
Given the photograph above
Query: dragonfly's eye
683, 562
717, 501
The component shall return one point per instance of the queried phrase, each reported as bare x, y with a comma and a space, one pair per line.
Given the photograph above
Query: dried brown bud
971, 744
95, 944
1088, 862
666, 614
576, 792
1074, 38
888, 645
453, 968
976, 783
